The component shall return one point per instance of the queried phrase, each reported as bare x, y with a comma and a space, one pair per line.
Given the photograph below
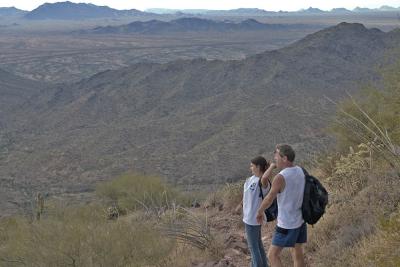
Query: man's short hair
286, 150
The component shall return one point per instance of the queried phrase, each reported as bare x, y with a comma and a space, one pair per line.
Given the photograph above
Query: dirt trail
230, 227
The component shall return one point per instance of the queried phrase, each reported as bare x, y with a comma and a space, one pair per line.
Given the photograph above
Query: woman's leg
262, 251
253, 233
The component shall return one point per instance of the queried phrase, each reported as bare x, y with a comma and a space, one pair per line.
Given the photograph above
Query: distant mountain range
11, 12
261, 12
340, 10
189, 25
71, 11
234, 12
194, 122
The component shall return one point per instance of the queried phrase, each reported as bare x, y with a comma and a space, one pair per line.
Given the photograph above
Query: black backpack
272, 211
315, 199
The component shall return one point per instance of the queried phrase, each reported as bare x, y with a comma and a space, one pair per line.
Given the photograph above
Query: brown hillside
195, 122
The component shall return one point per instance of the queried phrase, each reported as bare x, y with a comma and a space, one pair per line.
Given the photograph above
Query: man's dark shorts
289, 237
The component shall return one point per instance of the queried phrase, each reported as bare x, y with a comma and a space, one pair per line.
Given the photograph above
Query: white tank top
291, 198
252, 200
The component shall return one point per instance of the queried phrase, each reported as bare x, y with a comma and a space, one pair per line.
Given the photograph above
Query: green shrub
349, 171
137, 192
363, 183
373, 117
232, 195
228, 197
81, 236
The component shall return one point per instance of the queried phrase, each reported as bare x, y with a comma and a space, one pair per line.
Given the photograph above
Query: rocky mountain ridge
189, 24
72, 11
195, 122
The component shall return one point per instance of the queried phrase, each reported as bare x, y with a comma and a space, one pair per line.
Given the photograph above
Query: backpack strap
260, 185
271, 213
305, 172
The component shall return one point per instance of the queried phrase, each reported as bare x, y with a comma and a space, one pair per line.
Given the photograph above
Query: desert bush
184, 256
323, 164
137, 192
364, 183
70, 235
373, 118
348, 174
190, 228
382, 248
347, 223
214, 199
227, 197
232, 195
80, 236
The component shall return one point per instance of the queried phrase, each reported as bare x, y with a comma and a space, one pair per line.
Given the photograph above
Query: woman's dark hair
262, 162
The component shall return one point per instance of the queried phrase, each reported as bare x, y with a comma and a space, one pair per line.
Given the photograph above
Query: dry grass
193, 229
228, 197
232, 194
184, 256
383, 248
131, 192
80, 237
83, 236
352, 217
361, 226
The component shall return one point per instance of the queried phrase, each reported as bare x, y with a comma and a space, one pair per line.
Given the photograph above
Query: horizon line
206, 9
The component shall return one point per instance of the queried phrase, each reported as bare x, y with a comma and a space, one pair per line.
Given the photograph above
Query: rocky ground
230, 227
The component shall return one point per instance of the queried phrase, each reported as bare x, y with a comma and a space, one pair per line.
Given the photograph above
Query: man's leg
274, 254
297, 251
298, 256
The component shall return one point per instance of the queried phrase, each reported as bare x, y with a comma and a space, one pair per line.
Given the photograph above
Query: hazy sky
287, 5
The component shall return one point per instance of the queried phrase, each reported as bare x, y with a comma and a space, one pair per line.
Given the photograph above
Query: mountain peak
387, 8
362, 9
340, 10
342, 40
10, 11
349, 26
68, 10
312, 10
66, 4
347, 29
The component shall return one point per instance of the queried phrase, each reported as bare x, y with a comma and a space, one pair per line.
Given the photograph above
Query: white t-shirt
290, 199
252, 200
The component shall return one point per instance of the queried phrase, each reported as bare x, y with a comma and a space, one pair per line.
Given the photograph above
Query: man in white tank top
288, 188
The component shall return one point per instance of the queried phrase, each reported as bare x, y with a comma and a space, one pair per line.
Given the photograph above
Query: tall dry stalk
369, 133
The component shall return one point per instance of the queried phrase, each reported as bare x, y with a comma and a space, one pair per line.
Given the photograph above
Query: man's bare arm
278, 185
267, 175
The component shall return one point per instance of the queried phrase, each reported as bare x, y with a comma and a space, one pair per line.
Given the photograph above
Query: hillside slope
195, 122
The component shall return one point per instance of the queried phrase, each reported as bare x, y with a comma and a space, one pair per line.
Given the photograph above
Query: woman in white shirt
261, 171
